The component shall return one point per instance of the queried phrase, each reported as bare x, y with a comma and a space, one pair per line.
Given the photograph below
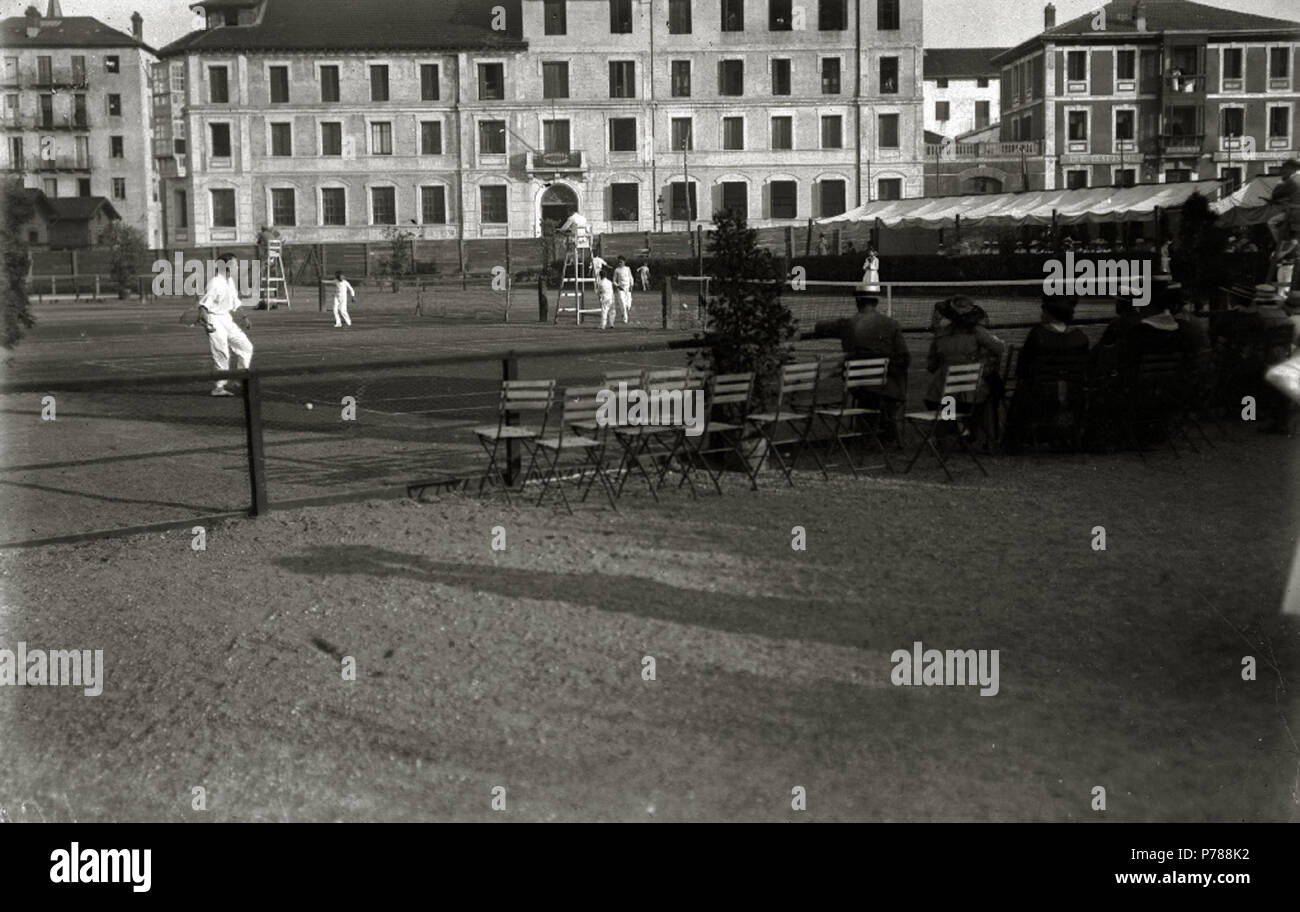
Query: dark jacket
871, 334
953, 345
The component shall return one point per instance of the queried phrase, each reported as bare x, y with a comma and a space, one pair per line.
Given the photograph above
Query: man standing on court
217, 308
623, 289
342, 288
643, 273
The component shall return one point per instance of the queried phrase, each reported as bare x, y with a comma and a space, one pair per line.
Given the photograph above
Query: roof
1161, 16
961, 63
309, 25
71, 31
79, 208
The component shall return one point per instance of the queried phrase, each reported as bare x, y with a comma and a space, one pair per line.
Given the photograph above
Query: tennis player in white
623, 289
217, 308
342, 288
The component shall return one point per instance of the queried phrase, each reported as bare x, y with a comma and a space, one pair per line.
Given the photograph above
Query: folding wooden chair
796, 380
727, 392
959, 380
1153, 403
580, 407
653, 442
516, 396
1056, 398
851, 421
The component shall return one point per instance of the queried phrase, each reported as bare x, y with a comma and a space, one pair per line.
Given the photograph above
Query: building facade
962, 90
76, 112
339, 120
1153, 92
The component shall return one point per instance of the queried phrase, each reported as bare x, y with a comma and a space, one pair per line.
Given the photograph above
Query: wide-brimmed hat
962, 311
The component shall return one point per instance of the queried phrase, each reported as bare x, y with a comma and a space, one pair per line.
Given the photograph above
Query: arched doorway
558, 203
982, 184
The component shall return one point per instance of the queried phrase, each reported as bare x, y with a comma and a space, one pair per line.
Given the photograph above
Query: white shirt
606, 289
342, 289
597, 265
221, 296
623, 277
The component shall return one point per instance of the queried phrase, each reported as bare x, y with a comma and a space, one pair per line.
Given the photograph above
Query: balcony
1184, 83
956, 150
1181, 143
556, 163
36, 122
57, 79
64, 163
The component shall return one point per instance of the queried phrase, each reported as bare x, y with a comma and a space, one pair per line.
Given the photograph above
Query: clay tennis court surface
523, 668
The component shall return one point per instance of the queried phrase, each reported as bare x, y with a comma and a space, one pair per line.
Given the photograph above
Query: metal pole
256, 454
510, 371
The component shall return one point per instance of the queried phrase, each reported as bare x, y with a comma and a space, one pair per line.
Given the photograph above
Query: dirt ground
522, 669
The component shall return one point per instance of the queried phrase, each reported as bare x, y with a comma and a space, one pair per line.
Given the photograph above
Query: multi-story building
962, 90
1155, 91
339, 118
76, 111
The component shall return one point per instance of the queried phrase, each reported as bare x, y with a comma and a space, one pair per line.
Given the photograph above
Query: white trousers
226, 337
607, 316
341, 310
624, 298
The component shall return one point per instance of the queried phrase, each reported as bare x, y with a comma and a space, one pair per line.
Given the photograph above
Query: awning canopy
1035, 207
1249, 205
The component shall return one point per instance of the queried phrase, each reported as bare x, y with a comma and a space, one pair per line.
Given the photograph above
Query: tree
1198, 261
127, 252
400, 256
747, 327
16, 309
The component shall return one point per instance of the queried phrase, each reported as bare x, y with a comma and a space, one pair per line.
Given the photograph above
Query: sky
948, 23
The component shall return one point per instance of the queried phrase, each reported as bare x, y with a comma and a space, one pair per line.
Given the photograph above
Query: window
383, 205
491, 81
1125, 177
333, 206
556, 19
887, 16
830, 75
832, 15
431, 137
218, 85
50, 186
888, 75
331, 139
278, 78
429, 82
622, 134
782, 132
15, 149
329, 83
1076, 179
1234, 121
682, 134
942, 110
1076, 66
44, 70
683, 201
785, 196
114, 105
381, 138
178, 77
620, 17
555, 79
888, 138
1231, 178
833, 132
433, 204
79, 112
182, 208
1279, 122
731, 77
492, 205
832, 197
1232, 63
220, 135
889, 188
47, 111
1279, 63
1078, 126
555, 136
681, 77
1172, 176
1126, 64
284, 210
735, 198
679, 17
982, 82
231, 17
622, 79
492, 137
378, 82
281, 139
11, 69
78, 69
178, 146
733, 134
624, 202
733, 15
112, 64
223, 208
779, 16
981, 114
941, 82
1124, 125
781, 76
115, 147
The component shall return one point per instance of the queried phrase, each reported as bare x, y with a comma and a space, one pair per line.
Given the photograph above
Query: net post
510, 371
320, 294
666, 300
256, 453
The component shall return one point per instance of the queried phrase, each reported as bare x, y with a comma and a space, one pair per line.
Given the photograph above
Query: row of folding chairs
579, 450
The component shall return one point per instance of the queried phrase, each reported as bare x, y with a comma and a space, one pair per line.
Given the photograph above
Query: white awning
1249, 205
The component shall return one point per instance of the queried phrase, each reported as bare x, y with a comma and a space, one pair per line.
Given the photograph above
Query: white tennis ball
309, 406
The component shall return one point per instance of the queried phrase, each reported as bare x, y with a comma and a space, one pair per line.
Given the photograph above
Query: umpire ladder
275, 287
576, 276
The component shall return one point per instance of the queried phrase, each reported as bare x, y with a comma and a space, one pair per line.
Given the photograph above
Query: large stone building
338, 118
1155, 91
76, 112
962, 90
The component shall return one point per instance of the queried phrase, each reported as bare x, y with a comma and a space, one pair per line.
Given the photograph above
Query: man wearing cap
871, 334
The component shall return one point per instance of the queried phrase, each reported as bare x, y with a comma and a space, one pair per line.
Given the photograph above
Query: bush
15, 309
127, 253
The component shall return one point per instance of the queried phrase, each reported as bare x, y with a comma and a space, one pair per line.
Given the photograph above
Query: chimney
1140, 16
1049, 16
53, 10
33, 21
137, 26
